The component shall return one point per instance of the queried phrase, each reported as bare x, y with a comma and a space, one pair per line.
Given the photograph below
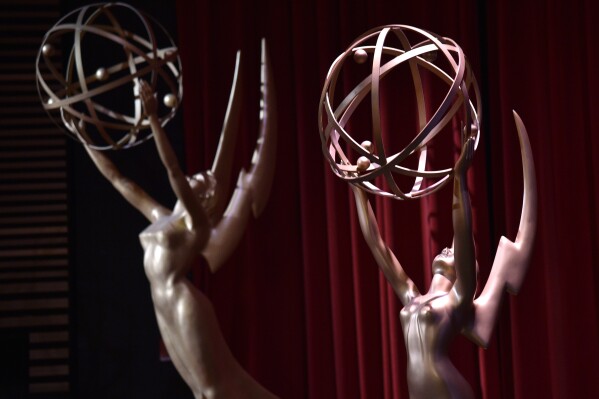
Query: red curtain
302, 303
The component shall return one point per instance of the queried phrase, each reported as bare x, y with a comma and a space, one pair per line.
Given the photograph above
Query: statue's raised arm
131, 191
403, 286
512, 258
178, 181
464, 287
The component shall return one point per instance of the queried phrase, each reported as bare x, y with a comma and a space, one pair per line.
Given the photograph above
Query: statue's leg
191, 334
173, 352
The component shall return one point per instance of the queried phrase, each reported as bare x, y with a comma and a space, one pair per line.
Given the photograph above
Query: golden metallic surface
105, 96
431, 320
203, 223
462, 102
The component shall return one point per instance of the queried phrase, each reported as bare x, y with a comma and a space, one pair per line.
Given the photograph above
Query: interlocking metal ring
372, 161
96, 95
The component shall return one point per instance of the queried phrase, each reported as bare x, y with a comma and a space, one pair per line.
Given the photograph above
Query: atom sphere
422, 51
110, 47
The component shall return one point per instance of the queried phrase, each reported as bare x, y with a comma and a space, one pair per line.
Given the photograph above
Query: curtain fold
302, 303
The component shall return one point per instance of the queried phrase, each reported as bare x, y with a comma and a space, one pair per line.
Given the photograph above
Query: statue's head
203, 185
444, 265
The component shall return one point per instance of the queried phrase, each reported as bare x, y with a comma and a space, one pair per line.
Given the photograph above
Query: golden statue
203, 222
429, 321
195, 227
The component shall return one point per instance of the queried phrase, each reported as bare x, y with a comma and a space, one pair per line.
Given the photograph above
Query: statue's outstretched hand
148, 99
465, 160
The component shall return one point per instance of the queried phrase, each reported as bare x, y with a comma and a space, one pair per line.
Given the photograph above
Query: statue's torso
429, 325
169, 247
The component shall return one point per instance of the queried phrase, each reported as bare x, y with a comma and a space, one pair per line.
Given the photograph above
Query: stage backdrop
302, 303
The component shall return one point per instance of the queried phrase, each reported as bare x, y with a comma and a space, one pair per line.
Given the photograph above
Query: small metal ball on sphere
170, 100
101, 74
360, 56
47, 50
362, 164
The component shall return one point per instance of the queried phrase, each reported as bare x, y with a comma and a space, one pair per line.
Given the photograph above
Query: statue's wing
512, 258
259, 179
223, 161
253, 187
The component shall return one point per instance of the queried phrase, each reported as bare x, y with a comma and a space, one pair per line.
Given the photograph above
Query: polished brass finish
430, 321
88, 93
333, 117
204, 222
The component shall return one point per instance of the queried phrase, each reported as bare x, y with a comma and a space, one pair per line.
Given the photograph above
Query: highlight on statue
429, 320
122, 102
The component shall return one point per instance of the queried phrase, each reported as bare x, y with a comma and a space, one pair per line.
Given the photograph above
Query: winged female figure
204, 223
431, 320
